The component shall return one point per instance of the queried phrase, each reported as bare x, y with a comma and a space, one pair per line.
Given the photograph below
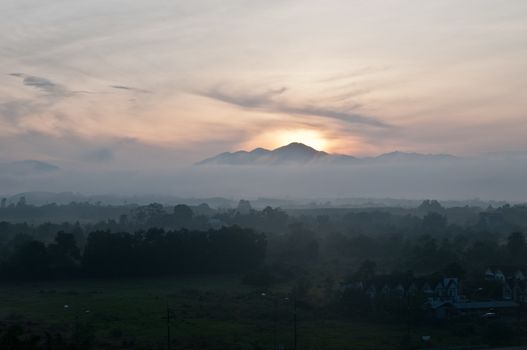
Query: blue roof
471, 305
475, 305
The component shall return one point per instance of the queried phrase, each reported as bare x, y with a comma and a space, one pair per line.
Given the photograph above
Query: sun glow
310, 138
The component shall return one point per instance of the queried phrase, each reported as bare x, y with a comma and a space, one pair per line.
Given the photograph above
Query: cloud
101, 155
267, 101
13, 110
129, 88
368, 70
48, 86
347, 117
14, 113
246, 100
42, 84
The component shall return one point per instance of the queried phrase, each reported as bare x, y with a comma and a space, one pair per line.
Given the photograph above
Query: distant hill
42, 198
298, 153
409, 157
27, 167
294, 153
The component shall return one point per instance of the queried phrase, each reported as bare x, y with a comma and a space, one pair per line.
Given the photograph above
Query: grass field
210, 312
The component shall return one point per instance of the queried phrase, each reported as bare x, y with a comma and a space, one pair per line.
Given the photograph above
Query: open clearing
210, 312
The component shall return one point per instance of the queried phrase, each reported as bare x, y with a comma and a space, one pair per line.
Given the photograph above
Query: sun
272, 139
310, 138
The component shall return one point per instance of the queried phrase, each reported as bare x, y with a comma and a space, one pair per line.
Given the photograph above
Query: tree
149, 213
301, 245
274, 219
367, 270
110, 254
183, 214
454, 269
431, 206
434, 222
516, 246
30, 260
21, 202
244, 207
64, 255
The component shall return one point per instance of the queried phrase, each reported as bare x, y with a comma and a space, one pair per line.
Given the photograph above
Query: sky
123, 84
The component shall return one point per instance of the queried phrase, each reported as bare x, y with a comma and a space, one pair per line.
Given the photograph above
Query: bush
261, 277
499, 334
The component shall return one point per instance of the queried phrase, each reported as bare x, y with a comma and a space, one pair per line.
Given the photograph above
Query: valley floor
207, 312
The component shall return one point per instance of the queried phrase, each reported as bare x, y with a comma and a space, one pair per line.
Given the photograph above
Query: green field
210, 312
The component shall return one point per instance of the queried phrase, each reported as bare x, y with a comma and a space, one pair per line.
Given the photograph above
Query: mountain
298, 153
294, 153
410, 157
27, 167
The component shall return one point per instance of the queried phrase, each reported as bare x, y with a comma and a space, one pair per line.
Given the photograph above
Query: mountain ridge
27, 167
299, 153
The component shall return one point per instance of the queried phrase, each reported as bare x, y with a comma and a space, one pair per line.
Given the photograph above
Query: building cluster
431, 288
501, 289
512, 279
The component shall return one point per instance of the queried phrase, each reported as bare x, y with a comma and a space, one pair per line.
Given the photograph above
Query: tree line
143, 253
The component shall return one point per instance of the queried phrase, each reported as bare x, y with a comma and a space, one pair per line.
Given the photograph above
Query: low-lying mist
500, 178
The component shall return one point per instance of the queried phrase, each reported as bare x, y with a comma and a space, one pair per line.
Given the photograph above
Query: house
432, 288
494, 275
451, 286
446, 289
505, 273
513, 280
519, 292
440, 289
447, 309
399, 290
371, 291
506, 291
412, 289
426, 289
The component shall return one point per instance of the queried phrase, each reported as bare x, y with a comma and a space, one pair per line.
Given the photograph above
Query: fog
491, 177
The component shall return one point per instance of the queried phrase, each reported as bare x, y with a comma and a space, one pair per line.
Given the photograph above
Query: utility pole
408, 320
76, 327
294, 323
275, 307
77, 332
275, 299
168, 328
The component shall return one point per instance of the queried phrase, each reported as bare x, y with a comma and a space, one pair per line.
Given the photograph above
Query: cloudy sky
146, 81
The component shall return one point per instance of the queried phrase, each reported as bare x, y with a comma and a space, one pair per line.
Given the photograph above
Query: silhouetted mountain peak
299, 153
260, 151
27, 167
296, 146
36, 165
292, 153
412, 156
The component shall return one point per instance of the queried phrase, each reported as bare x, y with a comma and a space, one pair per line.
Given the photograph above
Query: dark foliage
154, 252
